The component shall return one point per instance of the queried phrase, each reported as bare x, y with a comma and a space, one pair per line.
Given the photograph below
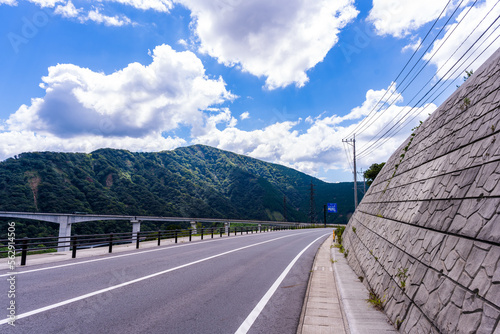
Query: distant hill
195, 181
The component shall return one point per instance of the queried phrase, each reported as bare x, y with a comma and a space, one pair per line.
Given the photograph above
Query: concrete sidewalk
335, 300
322, 312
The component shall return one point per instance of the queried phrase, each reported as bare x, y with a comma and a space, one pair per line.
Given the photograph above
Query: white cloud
245, 115
15, 142
465, 32
317, 148
115, 21
399, 18
156, 5
279, 40
136, 102
46, 3
413, 46
8, 2
182, 42
68, 10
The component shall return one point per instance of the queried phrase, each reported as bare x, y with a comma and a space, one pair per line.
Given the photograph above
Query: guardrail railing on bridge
22, 247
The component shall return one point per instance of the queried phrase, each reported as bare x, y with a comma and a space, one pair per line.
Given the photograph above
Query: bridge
65, 221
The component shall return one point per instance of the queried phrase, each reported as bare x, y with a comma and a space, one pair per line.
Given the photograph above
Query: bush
338, 234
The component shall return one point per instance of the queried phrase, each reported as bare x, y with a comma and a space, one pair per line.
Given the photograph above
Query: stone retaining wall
435, 212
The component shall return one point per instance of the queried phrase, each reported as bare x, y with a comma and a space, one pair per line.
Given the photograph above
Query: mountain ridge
193, 181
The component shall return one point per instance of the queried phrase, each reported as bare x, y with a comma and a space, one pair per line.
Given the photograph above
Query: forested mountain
195, 181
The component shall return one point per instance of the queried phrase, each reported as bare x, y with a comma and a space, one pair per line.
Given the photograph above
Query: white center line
72, 300
114, 257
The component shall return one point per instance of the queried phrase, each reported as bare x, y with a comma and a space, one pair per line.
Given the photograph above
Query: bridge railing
27, 246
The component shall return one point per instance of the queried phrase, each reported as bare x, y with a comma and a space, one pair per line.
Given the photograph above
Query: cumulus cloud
156, 5
134, 103
8, 2
279, 40
469, 30
399, 18
245, 115
46, 3
319, 146
115, 21
67, 10
413, 46
15, 142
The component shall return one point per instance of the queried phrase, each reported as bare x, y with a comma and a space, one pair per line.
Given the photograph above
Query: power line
377, 116
441, 82
368, 149
401, 72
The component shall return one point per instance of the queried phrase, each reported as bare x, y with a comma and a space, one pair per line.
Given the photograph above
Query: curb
361, 317
322, 310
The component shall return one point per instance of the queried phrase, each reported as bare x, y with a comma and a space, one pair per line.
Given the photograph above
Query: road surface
240, 284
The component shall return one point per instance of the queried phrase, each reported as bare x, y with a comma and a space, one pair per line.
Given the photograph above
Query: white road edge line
248, 322
72, 300
112, 257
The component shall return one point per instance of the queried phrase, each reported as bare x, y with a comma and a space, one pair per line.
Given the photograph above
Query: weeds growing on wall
375, 300
403, 276
402, 156
338, 234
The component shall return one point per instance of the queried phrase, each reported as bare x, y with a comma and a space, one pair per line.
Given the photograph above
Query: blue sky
281, 81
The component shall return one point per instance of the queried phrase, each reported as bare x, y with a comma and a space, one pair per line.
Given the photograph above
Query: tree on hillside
371, 173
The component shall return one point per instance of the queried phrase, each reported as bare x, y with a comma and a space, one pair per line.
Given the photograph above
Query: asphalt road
240, 284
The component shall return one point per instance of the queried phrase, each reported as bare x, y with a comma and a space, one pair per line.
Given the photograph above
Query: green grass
375, 300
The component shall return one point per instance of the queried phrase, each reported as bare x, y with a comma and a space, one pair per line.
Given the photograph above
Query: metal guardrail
25, 245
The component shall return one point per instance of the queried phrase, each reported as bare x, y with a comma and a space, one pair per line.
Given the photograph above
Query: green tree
371, 173
468, 74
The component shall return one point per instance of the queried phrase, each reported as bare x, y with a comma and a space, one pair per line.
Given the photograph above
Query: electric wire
401, 72
365, 151
379, 112
439, 84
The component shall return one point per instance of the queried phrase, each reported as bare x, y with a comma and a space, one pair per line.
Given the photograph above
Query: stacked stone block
426, 237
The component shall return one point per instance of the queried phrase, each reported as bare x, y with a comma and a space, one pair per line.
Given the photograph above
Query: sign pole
324, 213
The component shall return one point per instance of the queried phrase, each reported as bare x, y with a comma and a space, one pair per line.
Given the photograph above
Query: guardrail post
73, 247
201, 233
212, 232
190, 233
110, 243
220, 230
136, 227
137, 240
193, 226
235, 230
159, 237
175, 233
24, 251
241, 230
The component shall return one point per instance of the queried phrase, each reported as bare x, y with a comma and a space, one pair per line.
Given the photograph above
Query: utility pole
364, 182
353, 143
284, 208
324, 214
312, 211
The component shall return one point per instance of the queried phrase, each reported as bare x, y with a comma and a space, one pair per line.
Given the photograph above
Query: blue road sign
332, 207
